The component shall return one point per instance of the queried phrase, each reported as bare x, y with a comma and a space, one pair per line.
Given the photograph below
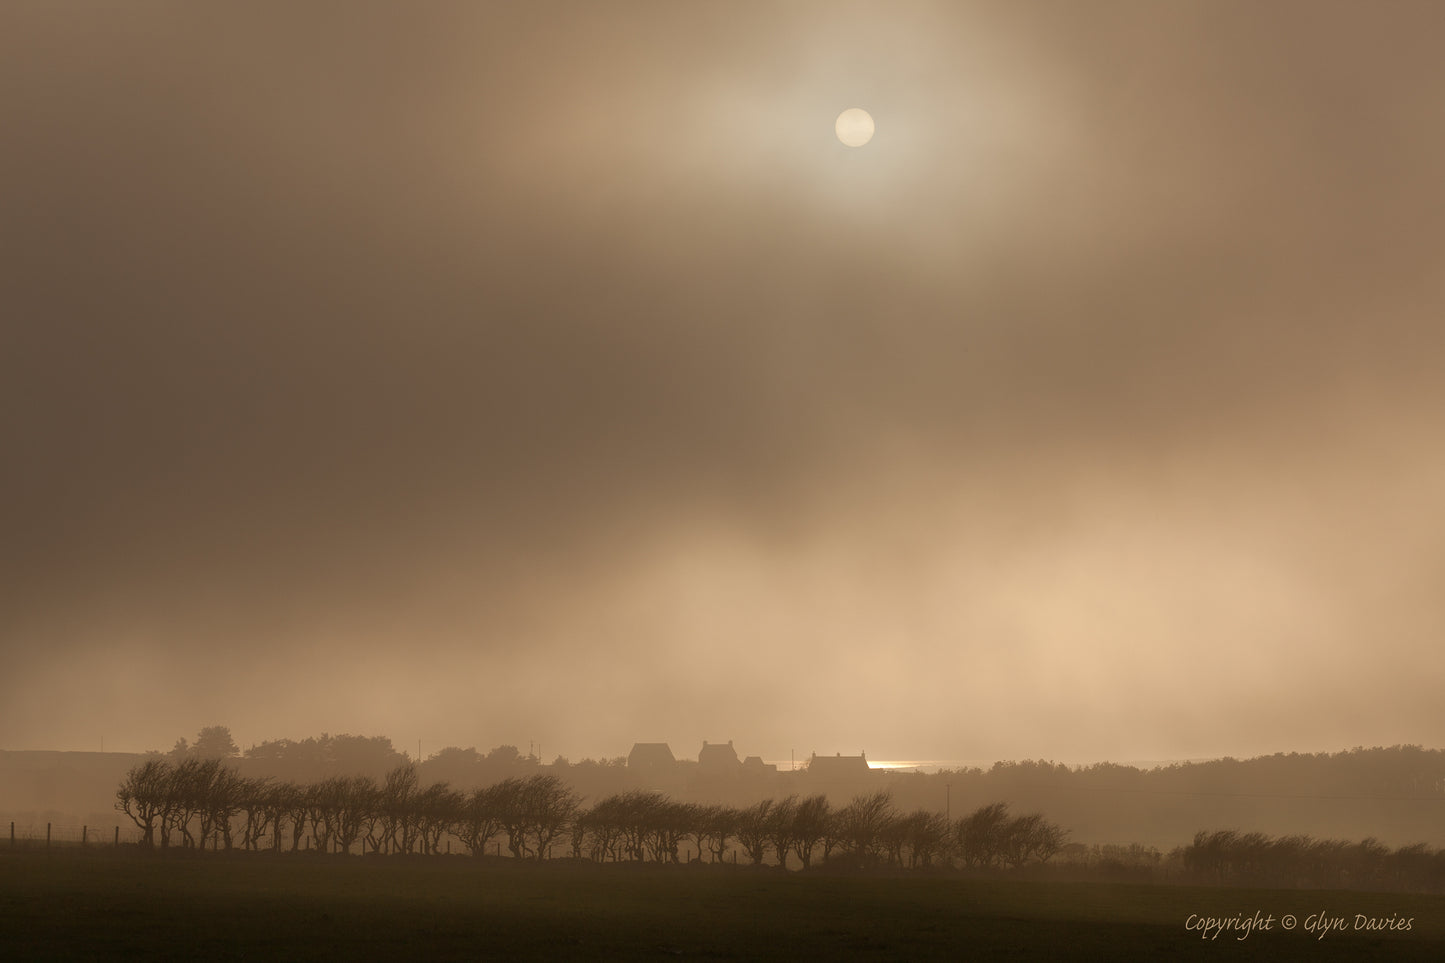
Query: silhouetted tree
1365, 863
221, 788
893, 838
479, 819
512, 811
253, 795
395, 807
372, 756
274, 800
669, 823
459, 767
979, 836
143, 796
320, 800
1030, 838
578, 832
781, 828
437, 808
1411, 868
188, 794
554, 805
810, 825
215, 742
612, 826
715, 826
347, 805
863, 822
638, 812
926, 835
752, 831
295, 802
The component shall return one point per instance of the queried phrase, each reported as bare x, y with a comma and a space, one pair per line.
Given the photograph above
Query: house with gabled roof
718, 758
838, 766
755, 764
650, 757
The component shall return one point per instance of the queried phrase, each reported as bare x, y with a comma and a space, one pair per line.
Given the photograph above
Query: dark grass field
124, 904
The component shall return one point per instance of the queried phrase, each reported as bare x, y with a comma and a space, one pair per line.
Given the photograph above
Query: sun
854, 127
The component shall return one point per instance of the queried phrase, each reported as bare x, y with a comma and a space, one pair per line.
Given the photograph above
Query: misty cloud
486, 373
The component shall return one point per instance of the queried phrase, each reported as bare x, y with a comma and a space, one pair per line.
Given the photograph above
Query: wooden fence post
12, 834
84, 830
117, 836
47, 835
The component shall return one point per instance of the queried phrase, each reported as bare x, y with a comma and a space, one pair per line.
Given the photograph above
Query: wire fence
35, 835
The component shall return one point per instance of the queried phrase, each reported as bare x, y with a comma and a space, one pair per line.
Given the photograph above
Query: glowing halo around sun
854, 127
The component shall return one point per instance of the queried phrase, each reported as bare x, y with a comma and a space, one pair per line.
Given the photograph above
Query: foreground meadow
126, 904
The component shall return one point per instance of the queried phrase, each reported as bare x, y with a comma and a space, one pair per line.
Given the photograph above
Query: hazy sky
484, 373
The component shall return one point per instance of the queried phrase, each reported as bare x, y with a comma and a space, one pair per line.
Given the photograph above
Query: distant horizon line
799, 762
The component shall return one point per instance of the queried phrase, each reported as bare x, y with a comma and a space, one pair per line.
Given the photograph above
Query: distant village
720, 759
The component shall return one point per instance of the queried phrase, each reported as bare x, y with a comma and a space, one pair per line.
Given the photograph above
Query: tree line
1230, 857
199, 803
204, 803
1391, 793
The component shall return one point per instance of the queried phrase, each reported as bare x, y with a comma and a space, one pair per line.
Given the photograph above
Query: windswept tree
752, 832
478, 819
603, 830
988, 837
1411, 868
551, 806
863, 823
781, 829
979, 836
608, 828
1031, 838
222, 788
810, 826
833, 831
295, 804
1365, 865
254, 796
188, 795
348, 803
512, 811
437, 807
893, 838
578, 832
669, 823
1287, 858
143, 796
716, 825
321, 800
926, 834
636, 814
395, 806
